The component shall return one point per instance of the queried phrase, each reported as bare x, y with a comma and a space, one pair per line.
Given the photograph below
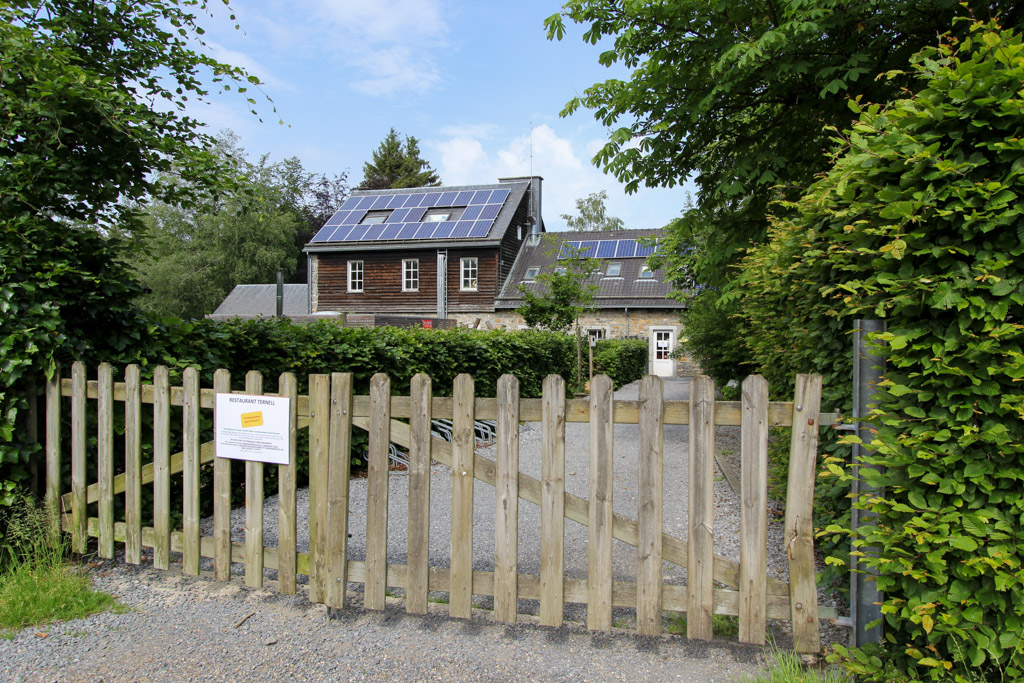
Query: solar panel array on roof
480, 209
606, 249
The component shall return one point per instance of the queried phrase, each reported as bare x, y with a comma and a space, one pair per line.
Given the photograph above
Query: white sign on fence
252, 427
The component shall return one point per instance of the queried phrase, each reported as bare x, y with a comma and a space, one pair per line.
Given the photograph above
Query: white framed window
613, 270
355, 276
375, 217
595, 334
410, 275
437, 215
646, 273
532, 273
470, 267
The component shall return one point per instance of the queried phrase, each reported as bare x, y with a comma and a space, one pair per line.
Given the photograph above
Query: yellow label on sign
252, 419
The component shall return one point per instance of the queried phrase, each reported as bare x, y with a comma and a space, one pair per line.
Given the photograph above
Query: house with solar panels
631, 300
430, 252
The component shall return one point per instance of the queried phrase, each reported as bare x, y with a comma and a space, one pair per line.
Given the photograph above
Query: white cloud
467, 157
240, 59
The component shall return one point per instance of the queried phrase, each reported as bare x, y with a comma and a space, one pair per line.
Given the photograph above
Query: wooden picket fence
330, 410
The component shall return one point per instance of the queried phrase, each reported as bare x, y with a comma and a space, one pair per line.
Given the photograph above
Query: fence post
286, 558
599, 541
161, 467
375, 586
649, 509
79, 529
339, 463
754, 510
319, 440
190, 472
799, 524
221, 491
701, 523
105, 469
253, 502
506, 497
133, 464
460, 589
865, 598
53, 451
419, 495
552, 508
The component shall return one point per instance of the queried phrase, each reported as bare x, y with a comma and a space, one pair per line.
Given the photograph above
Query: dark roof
626, 290
252, 301
517, 188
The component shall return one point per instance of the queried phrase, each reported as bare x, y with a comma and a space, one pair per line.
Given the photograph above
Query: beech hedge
920, 222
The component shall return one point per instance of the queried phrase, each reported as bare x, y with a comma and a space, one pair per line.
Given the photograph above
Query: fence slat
133, 464
319, 438
460, 602
161, 467
754, 511
377, 492
190, 472
53, 499
105, 453
701, 523
79, 533
419, 496
221, 493
286, 506
599, 545
649, 513
552, 502
339, 458
799, 528
506, 490
253, 502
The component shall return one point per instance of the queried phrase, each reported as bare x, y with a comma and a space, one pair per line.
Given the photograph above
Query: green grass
37, 585
786, 667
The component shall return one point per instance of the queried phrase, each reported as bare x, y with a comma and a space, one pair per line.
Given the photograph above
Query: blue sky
467, 78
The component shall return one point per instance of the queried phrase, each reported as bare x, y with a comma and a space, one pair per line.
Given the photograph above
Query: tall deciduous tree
736, 94
397, 163
593, 214
93, 95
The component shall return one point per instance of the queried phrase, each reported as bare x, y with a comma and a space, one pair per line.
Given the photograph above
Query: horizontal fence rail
330, 410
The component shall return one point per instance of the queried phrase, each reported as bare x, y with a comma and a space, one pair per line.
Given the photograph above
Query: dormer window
613, 270
646, 273
532, 273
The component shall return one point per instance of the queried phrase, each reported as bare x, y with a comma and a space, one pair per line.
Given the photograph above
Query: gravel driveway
185, 628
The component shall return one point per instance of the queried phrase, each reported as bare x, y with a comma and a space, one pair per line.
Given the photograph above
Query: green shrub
919, 222
624, 360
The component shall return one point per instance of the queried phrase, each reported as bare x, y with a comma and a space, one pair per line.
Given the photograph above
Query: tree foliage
93, 96
593, 214
397, 164
197, 253
919, 222
565, 291
736, 95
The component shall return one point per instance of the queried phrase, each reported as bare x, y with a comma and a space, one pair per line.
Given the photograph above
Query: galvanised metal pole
865, 598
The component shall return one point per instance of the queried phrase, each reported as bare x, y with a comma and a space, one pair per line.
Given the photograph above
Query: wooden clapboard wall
715, 585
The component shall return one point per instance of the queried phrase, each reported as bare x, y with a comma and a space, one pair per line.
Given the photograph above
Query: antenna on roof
531, 147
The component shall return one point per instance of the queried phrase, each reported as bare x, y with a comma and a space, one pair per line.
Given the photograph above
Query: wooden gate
715, 585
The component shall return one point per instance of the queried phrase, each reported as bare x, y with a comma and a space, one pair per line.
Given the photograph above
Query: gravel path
181, 628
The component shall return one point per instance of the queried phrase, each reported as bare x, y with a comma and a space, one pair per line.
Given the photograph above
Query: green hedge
919, 223
624, 360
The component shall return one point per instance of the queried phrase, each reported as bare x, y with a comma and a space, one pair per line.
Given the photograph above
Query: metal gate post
865, 598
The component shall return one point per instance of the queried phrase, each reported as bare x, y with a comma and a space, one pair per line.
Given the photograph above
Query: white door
663, 342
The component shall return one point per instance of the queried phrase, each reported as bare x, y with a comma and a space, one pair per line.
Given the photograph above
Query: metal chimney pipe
280, 293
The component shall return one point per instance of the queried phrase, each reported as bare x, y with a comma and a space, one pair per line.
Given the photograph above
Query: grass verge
37, 585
